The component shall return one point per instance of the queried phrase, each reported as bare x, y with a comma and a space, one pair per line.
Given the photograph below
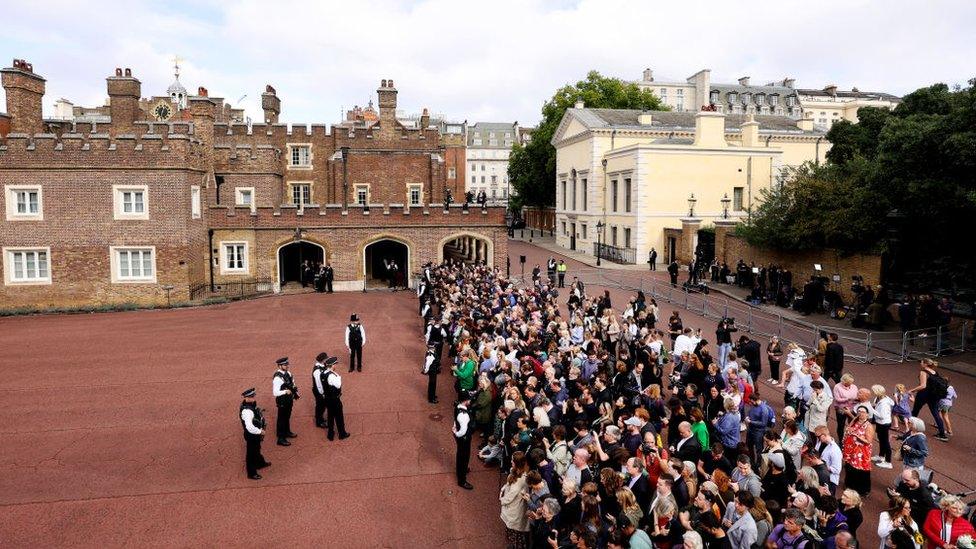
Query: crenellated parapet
333, 215
247, 158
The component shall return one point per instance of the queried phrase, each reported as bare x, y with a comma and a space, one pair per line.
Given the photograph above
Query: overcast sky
495, 60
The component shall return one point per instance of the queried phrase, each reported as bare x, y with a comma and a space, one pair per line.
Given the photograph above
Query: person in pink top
845, 395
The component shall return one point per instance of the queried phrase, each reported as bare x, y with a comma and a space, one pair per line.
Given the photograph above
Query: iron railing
233, 289
627, 256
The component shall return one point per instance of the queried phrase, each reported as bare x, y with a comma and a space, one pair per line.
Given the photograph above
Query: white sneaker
884, 465
877, 459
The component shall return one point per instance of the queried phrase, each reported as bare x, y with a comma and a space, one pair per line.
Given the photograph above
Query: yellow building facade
644, 175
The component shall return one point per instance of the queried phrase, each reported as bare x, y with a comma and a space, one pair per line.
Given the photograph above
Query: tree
532, 169
917, 160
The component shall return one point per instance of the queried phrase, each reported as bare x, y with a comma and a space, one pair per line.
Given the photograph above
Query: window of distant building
133, 264
583, 230
234, 258
452, 173
195, 202
244, 196
613, 235
24, 202
713, 97
414, 194
25, 266
131, 201
585, 194
626, 237
563, 183
301, 194
301, 156
737, 196
774, 100
627, 192
362, 194
613, 195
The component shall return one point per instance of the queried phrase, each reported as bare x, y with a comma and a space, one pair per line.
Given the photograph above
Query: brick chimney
124, 92
831, 89
744, 81
271, 105
789, 82
424, 119
24, 92
648, 75
387, 101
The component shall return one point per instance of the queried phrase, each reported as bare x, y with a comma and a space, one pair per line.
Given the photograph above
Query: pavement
122, 429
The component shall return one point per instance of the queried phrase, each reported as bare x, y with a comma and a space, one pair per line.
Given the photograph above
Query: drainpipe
749, 183
210, 252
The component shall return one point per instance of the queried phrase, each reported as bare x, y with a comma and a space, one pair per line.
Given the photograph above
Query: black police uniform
431, 368
333, 404
285, 403
355, 346
253, 459
463, 439
318, 382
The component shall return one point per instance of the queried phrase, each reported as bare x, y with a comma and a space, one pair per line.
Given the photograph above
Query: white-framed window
234, 258
574, 195
452, 173
195, 201
627, 193
564, 194
565, 232
474, 167
737, 198
774, 100
477, 142
26, 266
583, 228
300, 155
301, 194
626, 237
474, 178
482, 179
136, 264
664, 93
680, 92
24, 202
415, 194
131, 201
760, 99
362, 194
585, 194
244, 196
680, 104
613, 236
613, 195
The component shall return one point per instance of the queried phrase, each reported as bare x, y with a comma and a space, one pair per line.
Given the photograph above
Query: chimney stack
744, 81
648, 75
24, 92
271, 105
805, 124
644, 118
387, 101
710, 130
788, 82
750, 132
831, 89
124, 92
424, 119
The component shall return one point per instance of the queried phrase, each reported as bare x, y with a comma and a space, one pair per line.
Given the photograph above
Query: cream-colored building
829, 105
635, 172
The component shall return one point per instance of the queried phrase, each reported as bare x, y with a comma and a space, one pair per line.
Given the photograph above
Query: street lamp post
725, 206
691, 205
599, 241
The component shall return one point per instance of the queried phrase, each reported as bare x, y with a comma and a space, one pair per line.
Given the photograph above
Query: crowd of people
631, 430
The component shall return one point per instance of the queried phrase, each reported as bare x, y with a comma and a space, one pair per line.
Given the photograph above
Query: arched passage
292, 256
466, 247
378, 256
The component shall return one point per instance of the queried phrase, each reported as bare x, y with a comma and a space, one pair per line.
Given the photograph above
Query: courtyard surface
122, 428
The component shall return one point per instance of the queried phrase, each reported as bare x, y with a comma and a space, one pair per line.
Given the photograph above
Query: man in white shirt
831, 454
462, 436
684, 342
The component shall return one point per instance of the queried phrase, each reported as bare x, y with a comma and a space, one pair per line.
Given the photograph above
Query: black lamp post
725, 205
691, 205
599, 241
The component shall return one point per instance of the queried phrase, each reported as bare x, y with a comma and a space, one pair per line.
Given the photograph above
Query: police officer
332, 394
318, 389
431, 368
285, 393
561, 271
355, 340
462, 436
252, 420
328, 275
673, 273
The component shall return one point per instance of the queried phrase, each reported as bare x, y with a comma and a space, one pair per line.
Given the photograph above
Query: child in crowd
945, 405
491, 451
902, 410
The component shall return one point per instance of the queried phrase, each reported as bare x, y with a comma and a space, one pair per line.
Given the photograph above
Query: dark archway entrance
378, 255
291, 257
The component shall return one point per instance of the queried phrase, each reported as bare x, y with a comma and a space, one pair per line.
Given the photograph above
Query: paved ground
122, 429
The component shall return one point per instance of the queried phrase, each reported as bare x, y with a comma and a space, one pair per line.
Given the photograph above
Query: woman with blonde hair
629, 506
514, 506
882, 423
945, 525
764, 521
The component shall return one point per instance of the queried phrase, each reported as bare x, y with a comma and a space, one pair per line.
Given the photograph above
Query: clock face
162, 112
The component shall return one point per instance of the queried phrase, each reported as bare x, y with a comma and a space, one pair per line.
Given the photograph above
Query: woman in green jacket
465, 371
699, 428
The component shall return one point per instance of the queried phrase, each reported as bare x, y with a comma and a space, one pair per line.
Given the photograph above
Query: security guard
462, 436
332, 392
285, 393
252, 420
355, 340
431, 368
318, 390
561, 271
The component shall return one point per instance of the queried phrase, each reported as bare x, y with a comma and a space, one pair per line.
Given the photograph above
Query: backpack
937, 386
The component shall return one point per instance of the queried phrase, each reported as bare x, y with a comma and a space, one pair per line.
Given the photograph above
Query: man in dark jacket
833, 358
751, 350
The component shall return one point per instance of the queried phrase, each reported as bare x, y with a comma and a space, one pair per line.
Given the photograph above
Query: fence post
749, 320
867, 348
726, 315
938, 341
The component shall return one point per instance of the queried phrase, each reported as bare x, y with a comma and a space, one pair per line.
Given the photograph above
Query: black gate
705, 252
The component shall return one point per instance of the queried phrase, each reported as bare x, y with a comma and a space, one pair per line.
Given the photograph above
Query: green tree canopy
901, 181
532, 168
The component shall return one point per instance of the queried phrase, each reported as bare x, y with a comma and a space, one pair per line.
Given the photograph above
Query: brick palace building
171, 195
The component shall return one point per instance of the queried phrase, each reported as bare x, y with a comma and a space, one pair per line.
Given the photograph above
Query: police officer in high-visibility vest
561, 271
355, 341
285, 393
332, 388
462, 429
253, 422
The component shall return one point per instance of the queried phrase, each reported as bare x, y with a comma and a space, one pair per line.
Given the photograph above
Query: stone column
689, 239
723, 228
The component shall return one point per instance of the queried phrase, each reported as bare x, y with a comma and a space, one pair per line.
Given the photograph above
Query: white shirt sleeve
347, 336
427, 363
430, 328
317, 378
247, 415
463, 421
276, 384
362, 330
335, 380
